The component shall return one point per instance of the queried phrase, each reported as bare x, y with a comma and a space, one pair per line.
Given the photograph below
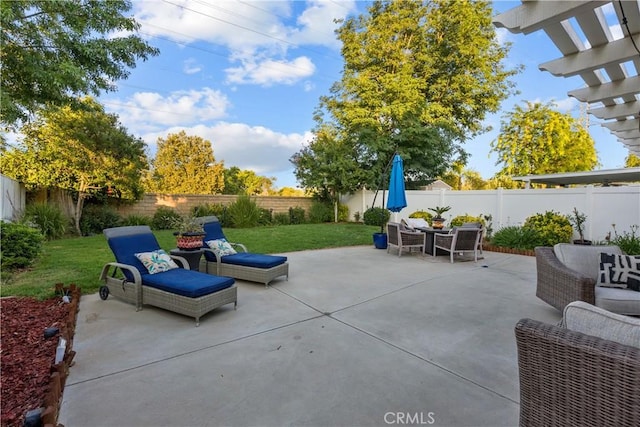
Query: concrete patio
356, 337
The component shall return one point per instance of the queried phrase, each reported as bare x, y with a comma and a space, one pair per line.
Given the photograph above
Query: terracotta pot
189, 241
437, 223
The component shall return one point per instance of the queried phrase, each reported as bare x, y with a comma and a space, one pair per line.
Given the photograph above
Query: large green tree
55, 50
184, 164
536, 139
329, 166
85, 151
419, 78
239, 181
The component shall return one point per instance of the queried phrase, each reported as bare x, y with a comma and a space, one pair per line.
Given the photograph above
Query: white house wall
603, 206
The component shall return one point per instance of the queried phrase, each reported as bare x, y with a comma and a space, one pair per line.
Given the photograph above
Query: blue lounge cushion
125, 248
188, 283
248, 259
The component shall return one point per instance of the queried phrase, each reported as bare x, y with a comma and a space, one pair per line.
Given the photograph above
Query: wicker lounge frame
568, 378
135, 292
251, 274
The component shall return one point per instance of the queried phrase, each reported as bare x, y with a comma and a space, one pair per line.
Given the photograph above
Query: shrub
461, 219
137, 220
551, 227
20, 245
281, 218
628, 242
516, 237
343, 213
207, 209
422, 214
96, 218
320, 212
356, 216
244, 212
376, 216
266, 216
49, 219
165, 218
296, 215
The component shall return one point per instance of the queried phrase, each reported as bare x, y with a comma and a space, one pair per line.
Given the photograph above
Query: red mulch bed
29, 379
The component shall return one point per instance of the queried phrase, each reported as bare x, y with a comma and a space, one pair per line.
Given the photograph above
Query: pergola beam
607, 90
617, 111
585, 38
535, 15
614, 52
622, 125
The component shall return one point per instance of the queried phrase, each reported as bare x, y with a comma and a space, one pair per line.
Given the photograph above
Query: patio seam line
417, 356
330, 315
175, 356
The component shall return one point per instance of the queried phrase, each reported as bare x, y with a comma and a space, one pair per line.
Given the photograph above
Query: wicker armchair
568, 378
461, 240
403, 239
557, 284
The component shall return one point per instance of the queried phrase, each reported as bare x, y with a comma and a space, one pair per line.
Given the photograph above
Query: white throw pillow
156, 261
221, 247
417, 223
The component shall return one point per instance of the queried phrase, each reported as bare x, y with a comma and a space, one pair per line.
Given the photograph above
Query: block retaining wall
183, 203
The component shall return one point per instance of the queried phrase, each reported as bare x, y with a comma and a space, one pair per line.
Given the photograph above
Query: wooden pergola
609, 65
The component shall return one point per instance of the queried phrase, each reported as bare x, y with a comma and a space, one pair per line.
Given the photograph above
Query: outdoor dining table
429, 244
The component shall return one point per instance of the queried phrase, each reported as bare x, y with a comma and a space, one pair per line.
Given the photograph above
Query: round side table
192, 257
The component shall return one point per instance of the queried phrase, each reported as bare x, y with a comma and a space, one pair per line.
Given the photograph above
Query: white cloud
269, 72
191, 66
248, 147
258, 34
146, 111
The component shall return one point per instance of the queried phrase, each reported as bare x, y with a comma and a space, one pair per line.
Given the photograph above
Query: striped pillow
619, 271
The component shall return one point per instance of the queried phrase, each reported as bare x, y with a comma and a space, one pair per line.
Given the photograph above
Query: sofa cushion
583, 259
254, 260
595, 321
622, 301
156, 261
188, 283
619, 271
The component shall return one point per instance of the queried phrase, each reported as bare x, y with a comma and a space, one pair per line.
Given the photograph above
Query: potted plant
438, 220
380, 217
189, 234
578, 219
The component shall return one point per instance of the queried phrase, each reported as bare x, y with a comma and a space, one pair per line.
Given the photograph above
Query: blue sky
247, 76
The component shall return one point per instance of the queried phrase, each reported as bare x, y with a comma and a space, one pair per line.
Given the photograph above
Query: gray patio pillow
582, 317
584, 259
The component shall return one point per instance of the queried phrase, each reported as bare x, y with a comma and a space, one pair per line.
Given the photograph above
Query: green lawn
80, 260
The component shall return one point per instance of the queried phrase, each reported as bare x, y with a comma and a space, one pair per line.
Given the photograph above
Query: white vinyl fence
603, 206
13, 198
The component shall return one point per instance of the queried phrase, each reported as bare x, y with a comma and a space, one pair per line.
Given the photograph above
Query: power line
249, 29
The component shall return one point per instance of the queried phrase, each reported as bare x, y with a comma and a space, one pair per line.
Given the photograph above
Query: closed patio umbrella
397, 199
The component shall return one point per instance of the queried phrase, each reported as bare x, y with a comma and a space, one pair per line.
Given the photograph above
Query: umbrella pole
386, 169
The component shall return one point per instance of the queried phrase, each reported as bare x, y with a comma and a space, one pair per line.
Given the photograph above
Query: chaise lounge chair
144, 274
241, 265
